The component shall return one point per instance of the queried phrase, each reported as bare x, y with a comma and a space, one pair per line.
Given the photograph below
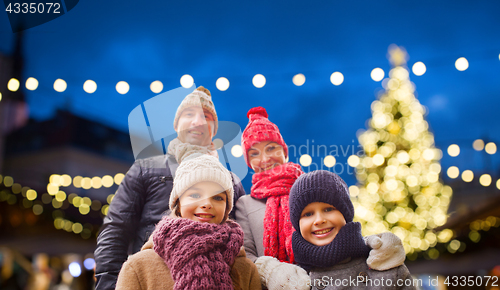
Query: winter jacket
355, 274
146, 270
250, 214
138, 205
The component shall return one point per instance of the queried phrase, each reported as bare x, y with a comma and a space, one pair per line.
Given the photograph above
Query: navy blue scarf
348, 243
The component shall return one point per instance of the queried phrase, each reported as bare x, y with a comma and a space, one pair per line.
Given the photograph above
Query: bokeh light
122, 87
337, 78
118, 178
305, 160
453, 172
60, 85
329, 161
259, 81
478, 145
462, 64
31, 84
74, 269
13, 85
90, 86
353, 160
187, 81
237, 151
156, 87
453, 150
377, 74
298, 79
485, 180
222, 84
419, 68
490, 148
89, 264
467, 176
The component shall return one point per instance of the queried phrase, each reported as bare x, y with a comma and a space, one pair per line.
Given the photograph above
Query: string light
222, 84
60, 85
156, 87
259, 81
490, 148
478, 145
298, 79
31, 84
461, 64
329, 161
337, 78
419, 68
377, 74
13, 85
122, 87
90, 86
305, 160
187, 81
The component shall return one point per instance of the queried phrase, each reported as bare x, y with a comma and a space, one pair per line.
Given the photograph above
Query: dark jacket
138, 205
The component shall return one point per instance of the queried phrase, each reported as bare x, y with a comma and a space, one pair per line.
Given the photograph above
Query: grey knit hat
197, 168
319, 186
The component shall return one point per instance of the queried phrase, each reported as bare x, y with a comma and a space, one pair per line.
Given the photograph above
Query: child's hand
387, 251
276, 275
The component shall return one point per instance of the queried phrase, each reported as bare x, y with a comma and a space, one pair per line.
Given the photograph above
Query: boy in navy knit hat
327, 242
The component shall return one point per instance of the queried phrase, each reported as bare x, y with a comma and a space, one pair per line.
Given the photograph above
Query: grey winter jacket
250, 216
138, 205
355, 274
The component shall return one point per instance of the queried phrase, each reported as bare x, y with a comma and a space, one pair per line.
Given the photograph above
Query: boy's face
320, 222
204, 202
195, 126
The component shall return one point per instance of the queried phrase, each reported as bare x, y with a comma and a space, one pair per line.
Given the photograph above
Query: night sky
143, 41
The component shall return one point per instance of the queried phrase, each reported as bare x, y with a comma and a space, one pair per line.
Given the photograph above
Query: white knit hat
198, 168
200, 97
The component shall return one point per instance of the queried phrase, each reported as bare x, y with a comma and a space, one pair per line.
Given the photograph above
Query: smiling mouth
195, 132
204, 216
268, 167
322, 232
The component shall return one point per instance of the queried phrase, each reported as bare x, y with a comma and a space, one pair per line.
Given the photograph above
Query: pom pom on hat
257, 111
260, 129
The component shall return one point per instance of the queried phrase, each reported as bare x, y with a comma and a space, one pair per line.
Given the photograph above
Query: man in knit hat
142, 197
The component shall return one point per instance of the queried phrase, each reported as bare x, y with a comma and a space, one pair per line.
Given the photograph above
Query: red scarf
275, 185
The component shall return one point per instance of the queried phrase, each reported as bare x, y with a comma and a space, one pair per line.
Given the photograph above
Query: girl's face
320, 222
204, 202
266, 155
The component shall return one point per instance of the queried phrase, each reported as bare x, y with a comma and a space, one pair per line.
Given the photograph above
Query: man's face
195, 126
320, 222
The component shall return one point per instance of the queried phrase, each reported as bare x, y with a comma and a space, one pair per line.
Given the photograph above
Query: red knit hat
260, 129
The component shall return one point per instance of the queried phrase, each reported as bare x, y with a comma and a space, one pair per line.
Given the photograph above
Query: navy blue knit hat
319, 186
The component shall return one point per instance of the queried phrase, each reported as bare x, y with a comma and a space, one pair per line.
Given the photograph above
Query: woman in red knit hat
264, 215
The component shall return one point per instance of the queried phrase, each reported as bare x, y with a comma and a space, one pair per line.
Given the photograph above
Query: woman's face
266, 155
204, 202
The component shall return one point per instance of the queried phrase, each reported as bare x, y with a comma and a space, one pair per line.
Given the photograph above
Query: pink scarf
199, 255
275, 185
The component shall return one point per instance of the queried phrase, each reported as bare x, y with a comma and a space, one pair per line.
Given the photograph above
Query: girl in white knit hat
197, 247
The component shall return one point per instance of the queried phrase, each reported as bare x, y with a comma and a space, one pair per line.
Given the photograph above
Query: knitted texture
198, 168
348, 243
275, 184
320, 186
200, 97
259, 129
181, 150
199, 255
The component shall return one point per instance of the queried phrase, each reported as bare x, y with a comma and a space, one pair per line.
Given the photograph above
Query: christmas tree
399, 188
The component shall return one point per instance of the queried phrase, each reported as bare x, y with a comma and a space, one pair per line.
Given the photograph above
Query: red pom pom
257, 110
